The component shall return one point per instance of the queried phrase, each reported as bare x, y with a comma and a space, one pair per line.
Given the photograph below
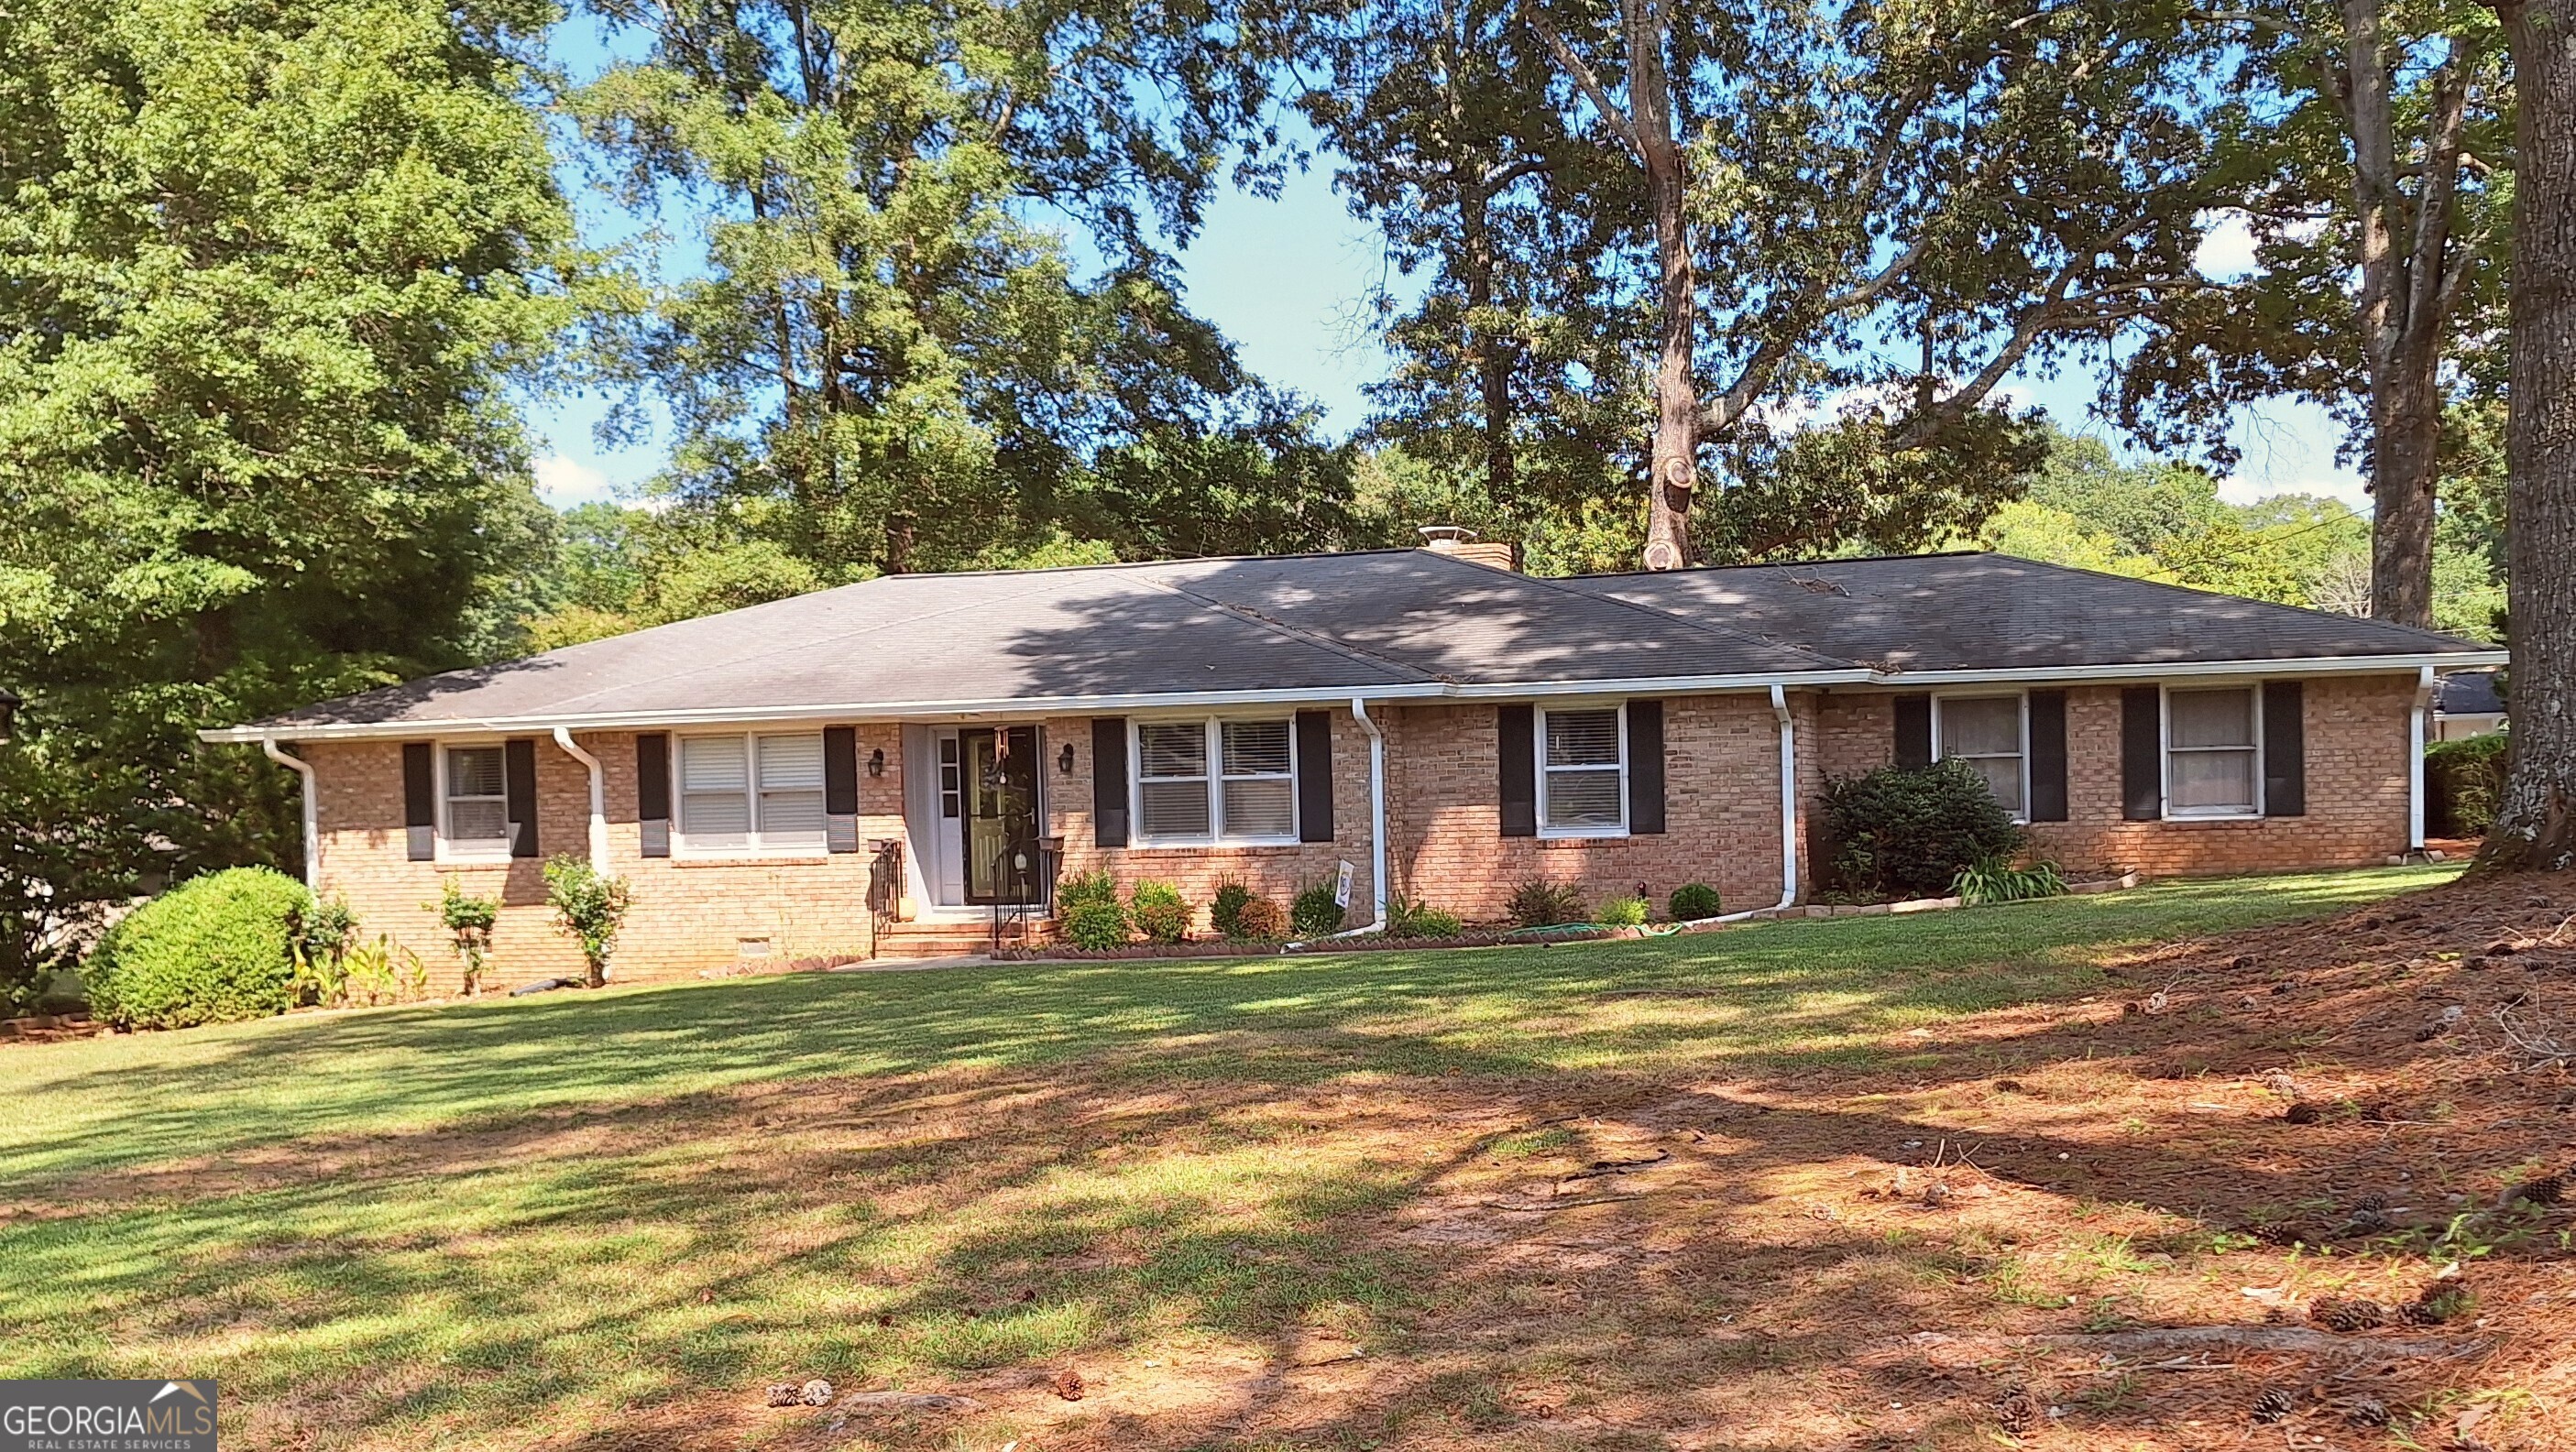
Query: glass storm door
1001, 824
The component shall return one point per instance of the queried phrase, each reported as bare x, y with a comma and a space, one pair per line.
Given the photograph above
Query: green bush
1545, 905
1094, 925
1225, 910
1692, 901
1622, 912
1160, 912
1418, 919
1314, 913
1908, 831
1997, 880
469, 921
2463, 782
1259, 921
215, 949
589, 907
1088, 890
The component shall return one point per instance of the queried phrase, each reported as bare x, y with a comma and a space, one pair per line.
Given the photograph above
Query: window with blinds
477, 804
1215, 781
1583, 776
2213, 753
748, 794
1986, 733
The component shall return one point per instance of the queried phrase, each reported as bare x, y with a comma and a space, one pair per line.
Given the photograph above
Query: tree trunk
2406, 440
1675, 458
2536, 823
1488, 354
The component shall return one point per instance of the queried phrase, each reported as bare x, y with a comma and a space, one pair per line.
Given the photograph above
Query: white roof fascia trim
2156, 671
1655, 685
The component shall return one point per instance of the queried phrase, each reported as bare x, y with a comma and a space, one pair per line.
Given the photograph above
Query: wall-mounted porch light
876, 762
1064, 760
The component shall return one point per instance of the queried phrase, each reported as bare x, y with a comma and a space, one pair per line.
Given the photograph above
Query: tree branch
1584, 80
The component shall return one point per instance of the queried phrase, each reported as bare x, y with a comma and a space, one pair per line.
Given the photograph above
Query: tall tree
1872, 214
2536, 822
891, 361
265, 275
2369, 139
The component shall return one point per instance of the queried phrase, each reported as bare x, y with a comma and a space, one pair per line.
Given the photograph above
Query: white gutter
2415, 760
1377, 827
598, 800
1026, 708
311, 813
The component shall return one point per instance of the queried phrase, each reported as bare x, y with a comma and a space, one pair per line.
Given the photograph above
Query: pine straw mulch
2106, 1223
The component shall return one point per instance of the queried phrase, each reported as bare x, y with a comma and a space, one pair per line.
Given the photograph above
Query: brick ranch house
1448, 727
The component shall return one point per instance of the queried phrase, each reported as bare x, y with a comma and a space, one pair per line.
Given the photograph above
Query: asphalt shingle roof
1374, 620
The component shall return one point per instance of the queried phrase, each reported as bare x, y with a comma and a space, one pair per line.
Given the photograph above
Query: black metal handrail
1027, 867
885, 888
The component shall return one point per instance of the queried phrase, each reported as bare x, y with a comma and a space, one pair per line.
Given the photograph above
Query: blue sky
1286, 279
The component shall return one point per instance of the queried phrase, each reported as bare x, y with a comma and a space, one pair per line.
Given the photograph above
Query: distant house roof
2468, 693
1385, 623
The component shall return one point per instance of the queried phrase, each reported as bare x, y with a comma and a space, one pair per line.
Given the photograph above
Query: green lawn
491, 1224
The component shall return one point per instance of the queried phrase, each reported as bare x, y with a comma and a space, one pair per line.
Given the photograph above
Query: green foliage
1225, 910
215, 949
1415, 918
274, 272
589, 907
1903, 832
469, 921
1537, 904
1622, 912
2464, 783
1314, 913
1159, 912
1095, 925
1996, 879
1087, 889
1693, 901
321, 950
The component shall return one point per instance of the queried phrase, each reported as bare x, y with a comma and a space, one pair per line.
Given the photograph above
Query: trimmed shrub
1903, 832
1546, 905
1314, 913
589, 907
1418, 919
2463, 783
1160, 912
1259, 921
1087, 890
1094, 925
1692, 901
212, 950
1225, 911
1622, 912
1997, 880
469, 921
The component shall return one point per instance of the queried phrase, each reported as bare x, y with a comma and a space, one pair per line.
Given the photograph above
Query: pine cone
2441, 1301
2019, 1413
2367, 1412
2272, 1405
2304, 1112
2547, 1190
2347, 1313
1068, 1384
785, 1394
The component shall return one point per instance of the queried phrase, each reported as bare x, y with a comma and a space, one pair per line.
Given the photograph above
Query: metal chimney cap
1436, 535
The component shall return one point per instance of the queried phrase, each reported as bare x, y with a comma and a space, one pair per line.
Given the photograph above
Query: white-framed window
1992, 735
1583, 771
474, 801
1215, 780
2213, 751
758, 793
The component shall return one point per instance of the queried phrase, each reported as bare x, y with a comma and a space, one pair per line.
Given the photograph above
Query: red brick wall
1722, 807
2356, 778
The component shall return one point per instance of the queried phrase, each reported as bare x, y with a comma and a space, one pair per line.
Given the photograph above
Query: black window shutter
1645, 767
653, 792
2285, 750
2048, 756
1109, 781
420, 802
841, 788
1914, 731
1515, 755
519, 786
2142, 745
1314, 776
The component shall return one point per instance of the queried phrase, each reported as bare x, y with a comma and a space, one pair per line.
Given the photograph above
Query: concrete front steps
917, 940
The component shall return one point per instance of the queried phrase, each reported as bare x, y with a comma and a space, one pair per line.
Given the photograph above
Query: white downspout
2415, 759
1377, 829
598, 799
1788, 819
311, 813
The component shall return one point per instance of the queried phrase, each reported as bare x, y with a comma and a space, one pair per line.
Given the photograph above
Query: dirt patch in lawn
2165, 1217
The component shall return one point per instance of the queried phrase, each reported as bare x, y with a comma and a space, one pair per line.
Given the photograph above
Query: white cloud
564, 482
